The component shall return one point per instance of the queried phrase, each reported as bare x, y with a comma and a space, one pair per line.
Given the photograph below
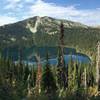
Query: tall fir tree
33, 76
62, 72
48, 80
26, 72
20, 65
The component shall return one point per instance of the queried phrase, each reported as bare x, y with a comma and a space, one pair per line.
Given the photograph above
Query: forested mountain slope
44, 31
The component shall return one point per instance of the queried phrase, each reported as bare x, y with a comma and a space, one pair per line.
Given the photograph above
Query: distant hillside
44, 31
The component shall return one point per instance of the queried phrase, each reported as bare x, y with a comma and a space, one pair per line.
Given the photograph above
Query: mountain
23, 31
44, 31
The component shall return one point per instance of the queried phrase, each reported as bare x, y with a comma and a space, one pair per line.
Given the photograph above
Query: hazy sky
84, 11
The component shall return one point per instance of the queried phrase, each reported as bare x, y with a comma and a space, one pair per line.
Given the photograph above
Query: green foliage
33, 76
26, 72
62, 71
14, 88
48, 81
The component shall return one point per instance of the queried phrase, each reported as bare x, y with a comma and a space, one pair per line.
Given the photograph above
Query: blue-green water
67, 58
28, 54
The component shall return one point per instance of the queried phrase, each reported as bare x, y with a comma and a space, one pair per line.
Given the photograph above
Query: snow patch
13, 39
24, 38
52, 33
33, 29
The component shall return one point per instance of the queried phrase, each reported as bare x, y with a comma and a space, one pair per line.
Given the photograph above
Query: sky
84, 11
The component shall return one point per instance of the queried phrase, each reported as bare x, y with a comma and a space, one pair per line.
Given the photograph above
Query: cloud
29, 1
15, 4
49, 9
28, 8
12, 4
6, 20
86, 16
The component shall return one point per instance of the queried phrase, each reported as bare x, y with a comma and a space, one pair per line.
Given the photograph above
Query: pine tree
20, 65
79, 76
26, 72
48, 80
75, 76
33, 76
62, 72
71, 74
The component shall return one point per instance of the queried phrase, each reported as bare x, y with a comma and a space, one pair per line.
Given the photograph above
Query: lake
67, 58
28, 54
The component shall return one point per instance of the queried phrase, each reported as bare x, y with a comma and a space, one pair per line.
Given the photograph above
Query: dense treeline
74, 81
84, 38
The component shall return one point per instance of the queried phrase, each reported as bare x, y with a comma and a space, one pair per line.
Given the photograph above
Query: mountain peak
42, 31
33, 29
